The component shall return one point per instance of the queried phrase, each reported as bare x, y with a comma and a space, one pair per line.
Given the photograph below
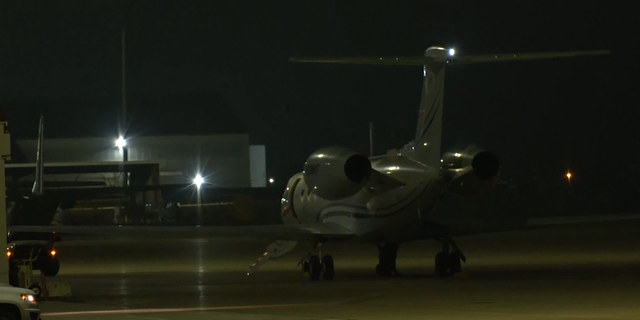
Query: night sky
541, 117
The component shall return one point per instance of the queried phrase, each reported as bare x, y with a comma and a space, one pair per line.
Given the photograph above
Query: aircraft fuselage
374, 215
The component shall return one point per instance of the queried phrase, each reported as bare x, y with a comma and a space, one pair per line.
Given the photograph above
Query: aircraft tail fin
38, 186
425, 148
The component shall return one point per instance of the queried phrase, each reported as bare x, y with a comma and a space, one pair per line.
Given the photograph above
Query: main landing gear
387, 254
448, 262
315, 267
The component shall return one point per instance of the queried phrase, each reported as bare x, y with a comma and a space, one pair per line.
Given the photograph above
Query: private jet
386, 200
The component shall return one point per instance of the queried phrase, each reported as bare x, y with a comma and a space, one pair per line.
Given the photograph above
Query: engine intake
336, 173
472, 171
485, 165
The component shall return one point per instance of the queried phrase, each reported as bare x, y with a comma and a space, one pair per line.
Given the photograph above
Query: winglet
273, 251
38, 186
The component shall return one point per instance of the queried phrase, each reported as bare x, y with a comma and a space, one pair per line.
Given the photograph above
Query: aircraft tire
454, 263
442, 267
383, 271
329, 271
315, 268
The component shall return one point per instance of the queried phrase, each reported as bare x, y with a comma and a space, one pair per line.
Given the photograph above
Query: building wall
258, 158
223, 159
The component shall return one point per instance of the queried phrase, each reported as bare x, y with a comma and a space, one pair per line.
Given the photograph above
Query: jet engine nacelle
473, 171
336, 173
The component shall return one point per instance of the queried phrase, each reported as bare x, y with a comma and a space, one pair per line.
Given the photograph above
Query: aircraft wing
299, 232
475, 227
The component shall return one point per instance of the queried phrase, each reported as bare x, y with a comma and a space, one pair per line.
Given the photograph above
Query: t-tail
427, 142
38, 186
426, 145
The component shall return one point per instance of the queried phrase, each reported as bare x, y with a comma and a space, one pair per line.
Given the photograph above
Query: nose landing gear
316, 267
387, 254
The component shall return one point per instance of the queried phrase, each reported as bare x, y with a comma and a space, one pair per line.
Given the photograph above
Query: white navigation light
121, 142
198, 181
271, 180
452, 51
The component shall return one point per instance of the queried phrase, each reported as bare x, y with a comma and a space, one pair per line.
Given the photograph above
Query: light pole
121, 143
198, 181
124, 87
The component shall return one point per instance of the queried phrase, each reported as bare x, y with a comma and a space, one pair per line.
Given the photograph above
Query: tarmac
568, 272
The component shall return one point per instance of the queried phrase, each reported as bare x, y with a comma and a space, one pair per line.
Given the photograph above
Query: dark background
541, 118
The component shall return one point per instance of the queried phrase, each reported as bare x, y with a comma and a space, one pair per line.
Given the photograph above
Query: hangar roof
189, 114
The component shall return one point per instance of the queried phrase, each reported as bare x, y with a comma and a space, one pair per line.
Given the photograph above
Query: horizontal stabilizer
472, 59
456, 59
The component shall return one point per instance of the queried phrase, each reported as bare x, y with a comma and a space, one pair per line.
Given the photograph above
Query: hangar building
185, 135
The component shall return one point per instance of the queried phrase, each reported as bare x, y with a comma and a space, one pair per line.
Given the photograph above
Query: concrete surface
576, 272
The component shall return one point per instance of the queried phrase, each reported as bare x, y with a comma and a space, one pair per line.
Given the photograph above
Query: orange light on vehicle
53, 253
8, 254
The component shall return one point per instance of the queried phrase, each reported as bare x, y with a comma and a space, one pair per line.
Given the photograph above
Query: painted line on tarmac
167, 310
